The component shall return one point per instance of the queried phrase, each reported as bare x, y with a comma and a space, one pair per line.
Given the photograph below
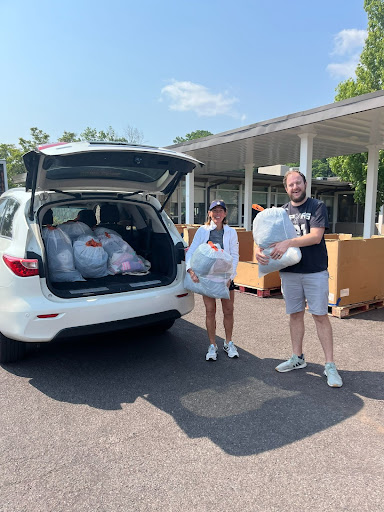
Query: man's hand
279, 248
261, 258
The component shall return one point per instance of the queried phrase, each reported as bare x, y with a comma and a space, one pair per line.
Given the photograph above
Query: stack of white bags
75, 252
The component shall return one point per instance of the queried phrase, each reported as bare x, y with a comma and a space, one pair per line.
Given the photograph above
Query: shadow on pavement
242, 405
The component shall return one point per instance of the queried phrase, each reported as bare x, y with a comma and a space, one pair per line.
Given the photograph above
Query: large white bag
74, 229
59, 251
213, 267
270, 226
121, 256
90, 257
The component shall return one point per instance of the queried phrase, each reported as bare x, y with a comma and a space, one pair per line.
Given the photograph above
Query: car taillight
22, 267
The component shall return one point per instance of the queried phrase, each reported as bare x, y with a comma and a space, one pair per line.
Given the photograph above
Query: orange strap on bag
93, 243
258, 207
213, 246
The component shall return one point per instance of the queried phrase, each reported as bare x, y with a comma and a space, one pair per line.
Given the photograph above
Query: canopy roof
341, 128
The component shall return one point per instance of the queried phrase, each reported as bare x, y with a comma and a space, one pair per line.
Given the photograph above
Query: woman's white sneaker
212, 353
230, 349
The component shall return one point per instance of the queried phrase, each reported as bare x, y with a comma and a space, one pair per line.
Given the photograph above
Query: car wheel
11, 350
162, 326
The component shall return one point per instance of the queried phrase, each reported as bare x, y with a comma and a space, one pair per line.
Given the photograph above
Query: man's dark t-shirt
311, 214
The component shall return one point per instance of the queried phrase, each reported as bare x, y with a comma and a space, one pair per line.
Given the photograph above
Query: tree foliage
369, 78
198, 134
320, 168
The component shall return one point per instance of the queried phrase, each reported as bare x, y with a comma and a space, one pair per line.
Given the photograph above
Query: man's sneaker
230, 349
294, 363
333, 378
212, 353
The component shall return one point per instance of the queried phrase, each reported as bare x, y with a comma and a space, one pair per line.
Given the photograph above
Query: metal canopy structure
354, 125
341, 128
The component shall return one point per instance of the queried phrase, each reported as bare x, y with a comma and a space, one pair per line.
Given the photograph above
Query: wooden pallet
354, 309
270, 292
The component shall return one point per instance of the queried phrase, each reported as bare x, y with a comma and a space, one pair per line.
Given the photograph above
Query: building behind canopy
235, 164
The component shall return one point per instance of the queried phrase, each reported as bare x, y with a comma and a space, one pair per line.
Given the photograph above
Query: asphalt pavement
141, 422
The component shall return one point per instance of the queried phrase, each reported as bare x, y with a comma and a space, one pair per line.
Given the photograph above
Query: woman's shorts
298, 288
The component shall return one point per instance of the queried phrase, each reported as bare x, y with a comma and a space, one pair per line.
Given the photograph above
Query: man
308, 279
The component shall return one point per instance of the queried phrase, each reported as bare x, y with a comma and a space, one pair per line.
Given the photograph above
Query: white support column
240, 206
190, 198
269, 196
335, 210
371, 191
248, 197
306, 154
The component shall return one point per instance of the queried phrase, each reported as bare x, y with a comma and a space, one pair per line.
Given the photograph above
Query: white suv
63, 180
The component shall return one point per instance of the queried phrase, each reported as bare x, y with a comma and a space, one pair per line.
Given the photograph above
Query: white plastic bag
121, 256
99, 231
59, 250
90, 257
270, 226
213, 267
74, 229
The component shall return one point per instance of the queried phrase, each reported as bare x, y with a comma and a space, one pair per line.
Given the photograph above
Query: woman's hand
194, 277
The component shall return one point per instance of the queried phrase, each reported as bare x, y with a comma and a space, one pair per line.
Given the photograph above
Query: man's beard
298, 199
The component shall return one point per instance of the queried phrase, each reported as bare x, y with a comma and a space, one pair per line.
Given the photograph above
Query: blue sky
170, 67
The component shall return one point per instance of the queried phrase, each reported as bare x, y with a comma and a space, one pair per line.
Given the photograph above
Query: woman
217, 231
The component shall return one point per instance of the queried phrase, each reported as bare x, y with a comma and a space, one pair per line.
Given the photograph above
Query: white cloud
189, 97
348, 40
347, 44
344, 69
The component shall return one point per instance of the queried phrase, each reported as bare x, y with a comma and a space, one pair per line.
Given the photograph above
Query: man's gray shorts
298, 288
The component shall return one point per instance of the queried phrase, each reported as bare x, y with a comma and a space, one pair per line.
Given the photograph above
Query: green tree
369, 78
320, 168
198, 134
68, 137
38, 137
14, 159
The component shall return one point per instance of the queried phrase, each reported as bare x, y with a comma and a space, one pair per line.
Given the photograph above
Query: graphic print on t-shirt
297, 219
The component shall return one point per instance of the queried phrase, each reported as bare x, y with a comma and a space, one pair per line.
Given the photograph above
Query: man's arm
314, 237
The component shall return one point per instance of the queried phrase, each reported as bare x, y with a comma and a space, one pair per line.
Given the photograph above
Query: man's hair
291, 171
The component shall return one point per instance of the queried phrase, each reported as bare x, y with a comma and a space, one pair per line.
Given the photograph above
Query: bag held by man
270, 226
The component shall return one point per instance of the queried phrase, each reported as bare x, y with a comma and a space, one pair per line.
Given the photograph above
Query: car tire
11, 350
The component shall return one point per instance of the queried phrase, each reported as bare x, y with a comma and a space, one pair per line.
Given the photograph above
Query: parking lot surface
137, 422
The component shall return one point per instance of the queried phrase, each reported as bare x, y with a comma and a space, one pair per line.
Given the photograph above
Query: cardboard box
356, 270
189, 233
246, 245
248, 275
338, 236
180, 228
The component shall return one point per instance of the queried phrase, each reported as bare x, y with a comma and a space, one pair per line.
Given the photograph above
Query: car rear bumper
19, 318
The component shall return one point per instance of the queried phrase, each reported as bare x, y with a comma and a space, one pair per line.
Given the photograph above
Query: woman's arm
234, 250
